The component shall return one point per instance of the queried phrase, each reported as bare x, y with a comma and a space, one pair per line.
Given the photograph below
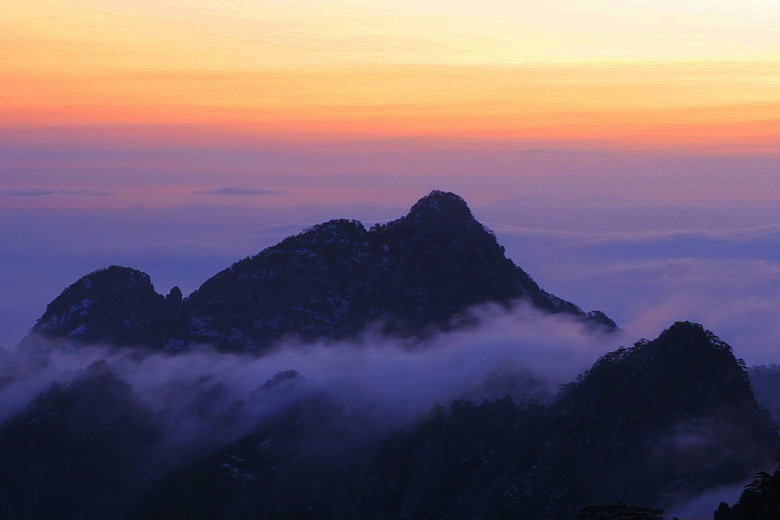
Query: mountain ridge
329, 282
609, 436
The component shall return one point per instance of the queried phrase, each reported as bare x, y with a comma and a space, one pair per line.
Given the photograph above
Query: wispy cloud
44, 192
236, 190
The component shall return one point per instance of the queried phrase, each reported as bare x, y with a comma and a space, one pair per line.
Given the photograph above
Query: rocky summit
415, 274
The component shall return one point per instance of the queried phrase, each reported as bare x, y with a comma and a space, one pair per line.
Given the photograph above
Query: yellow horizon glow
672, 75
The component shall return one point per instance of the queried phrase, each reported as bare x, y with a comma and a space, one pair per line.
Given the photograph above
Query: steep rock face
116, 305
331, 281
647, 424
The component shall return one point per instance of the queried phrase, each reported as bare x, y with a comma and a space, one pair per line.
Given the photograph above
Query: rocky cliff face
417, 273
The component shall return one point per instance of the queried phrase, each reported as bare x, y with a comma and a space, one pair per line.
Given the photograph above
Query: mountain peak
441, 205
686, 361
413, 274
687, 337
684, 328
109, 304
116, 276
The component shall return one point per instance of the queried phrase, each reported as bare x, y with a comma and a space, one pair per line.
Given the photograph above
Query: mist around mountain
760, 500
409, 370
76, 450
687, 260
413, 276
208, 434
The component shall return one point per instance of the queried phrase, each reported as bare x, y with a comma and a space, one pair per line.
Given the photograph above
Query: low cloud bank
377, 384
729, 281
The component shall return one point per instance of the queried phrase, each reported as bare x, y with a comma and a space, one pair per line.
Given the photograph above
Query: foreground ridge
647, 424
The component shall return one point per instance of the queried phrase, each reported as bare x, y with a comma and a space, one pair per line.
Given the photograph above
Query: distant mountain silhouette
647, 424
417, 273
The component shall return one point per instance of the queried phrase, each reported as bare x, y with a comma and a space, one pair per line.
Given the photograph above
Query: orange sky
674, 76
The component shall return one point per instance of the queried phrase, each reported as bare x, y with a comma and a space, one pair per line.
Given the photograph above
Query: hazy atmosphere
561, 300
644, 262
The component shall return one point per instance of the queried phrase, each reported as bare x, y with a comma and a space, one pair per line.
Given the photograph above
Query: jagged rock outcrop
413, 274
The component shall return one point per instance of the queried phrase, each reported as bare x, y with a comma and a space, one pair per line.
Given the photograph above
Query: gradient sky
149, 124
668, 75
129, 98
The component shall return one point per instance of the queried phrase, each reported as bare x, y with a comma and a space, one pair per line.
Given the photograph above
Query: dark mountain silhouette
618, 511
671, 416
766, 385
419, 272
759, 501
647, 424
116, 304
75, 451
